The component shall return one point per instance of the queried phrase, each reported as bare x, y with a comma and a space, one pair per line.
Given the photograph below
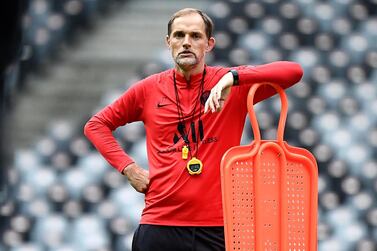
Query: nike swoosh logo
161, 105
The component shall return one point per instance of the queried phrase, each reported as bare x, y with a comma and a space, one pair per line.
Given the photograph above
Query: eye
178, 34
196, 35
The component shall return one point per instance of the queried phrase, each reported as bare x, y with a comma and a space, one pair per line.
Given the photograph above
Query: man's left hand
219, 93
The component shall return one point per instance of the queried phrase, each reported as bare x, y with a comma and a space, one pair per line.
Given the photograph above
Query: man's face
188, 41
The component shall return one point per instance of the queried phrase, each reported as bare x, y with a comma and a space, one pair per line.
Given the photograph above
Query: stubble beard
186, 62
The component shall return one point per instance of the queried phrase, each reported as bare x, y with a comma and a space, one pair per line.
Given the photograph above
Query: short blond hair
206, 19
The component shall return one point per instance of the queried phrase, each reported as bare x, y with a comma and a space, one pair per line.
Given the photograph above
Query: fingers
140, 181
214, 105
219, 93
206, 106
212, 102
215, 101
138, 178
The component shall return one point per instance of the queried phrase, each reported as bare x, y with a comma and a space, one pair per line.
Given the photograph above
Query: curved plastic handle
253, 118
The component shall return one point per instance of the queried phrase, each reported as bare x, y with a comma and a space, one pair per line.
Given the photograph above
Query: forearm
283, 73
102, 138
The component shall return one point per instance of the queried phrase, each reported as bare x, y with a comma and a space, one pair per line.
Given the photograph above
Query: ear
167, 41
211, 44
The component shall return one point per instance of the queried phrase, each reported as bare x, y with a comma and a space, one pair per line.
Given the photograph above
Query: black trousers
171, 238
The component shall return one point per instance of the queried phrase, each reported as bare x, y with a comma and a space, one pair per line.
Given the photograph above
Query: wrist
127, 168
235, 77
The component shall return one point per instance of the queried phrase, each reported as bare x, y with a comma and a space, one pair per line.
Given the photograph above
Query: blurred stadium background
58, 194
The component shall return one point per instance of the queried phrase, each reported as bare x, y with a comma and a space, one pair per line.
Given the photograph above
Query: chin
186, 63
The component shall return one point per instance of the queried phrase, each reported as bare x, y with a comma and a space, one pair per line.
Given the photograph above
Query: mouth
186, 54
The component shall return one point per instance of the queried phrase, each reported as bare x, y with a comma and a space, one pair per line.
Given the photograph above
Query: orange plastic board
269, 191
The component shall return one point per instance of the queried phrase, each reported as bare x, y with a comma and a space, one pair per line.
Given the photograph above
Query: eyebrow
190, 32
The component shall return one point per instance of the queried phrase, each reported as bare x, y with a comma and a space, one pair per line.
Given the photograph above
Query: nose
187, 42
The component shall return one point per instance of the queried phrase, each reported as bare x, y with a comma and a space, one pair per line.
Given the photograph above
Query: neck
187, 73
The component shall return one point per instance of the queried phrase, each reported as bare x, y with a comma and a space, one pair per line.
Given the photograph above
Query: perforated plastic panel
269, 203
243, 230
269, 191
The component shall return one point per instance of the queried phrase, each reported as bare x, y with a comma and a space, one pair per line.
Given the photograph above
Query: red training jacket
174, 196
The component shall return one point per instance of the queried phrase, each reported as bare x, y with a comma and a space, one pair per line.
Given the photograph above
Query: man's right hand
137, 176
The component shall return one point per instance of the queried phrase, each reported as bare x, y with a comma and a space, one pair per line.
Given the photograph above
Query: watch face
194, 167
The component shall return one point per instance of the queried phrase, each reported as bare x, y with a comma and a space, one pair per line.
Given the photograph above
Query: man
192, 114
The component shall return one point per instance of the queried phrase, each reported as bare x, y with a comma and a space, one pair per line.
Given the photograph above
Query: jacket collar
194, 79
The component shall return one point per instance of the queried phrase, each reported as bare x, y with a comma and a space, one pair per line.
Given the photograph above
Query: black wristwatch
235, 77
